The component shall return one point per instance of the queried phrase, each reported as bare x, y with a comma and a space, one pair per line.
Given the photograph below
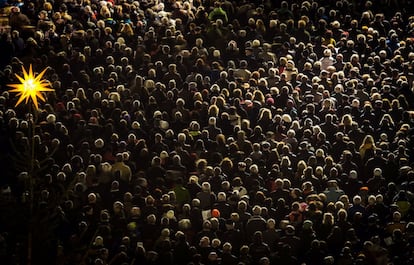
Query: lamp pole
32, 122
30, 90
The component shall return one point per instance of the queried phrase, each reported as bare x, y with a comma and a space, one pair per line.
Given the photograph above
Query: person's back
356, 207
332, 192
205, 199
326, 62
352, 185
347, 164
302, 35
271, 235
223, 207
284, 12
376, 182
7, 50
181, 193
242, 73
279, 193
291, 240
17, 19
228, 258
182, 253
218, 13
205, 196
376, 161
255, 223
124, 170
258, 249
233, 235
329, 128
213, 131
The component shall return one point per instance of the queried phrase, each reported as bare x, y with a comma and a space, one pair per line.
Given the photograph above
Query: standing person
18, 20
367, 148
258, 249
255, 223
218, 13
207, 198
7, 49
327, 60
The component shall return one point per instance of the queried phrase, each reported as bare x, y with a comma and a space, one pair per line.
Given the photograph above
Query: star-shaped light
31, 87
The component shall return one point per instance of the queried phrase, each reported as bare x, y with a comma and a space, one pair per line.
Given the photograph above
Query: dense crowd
209, 132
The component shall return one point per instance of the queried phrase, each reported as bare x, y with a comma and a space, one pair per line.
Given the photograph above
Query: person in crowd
208, 132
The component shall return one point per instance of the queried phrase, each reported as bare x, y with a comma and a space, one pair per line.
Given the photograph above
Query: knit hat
377, 172
290, 230
270, 101
170, 214
135, 125
307, 224
353, 174
98, 241
99, 143
215, 213
221, 196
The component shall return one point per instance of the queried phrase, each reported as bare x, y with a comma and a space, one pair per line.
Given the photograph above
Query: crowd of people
209, 132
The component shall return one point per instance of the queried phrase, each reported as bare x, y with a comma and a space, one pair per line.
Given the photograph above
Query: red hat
215, 213
270, 101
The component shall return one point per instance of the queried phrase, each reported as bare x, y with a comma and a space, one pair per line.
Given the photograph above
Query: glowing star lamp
31, 87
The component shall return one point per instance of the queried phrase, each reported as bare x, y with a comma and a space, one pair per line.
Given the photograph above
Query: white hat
99, 143
377, 171
135, 125
157, 113
353, 174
